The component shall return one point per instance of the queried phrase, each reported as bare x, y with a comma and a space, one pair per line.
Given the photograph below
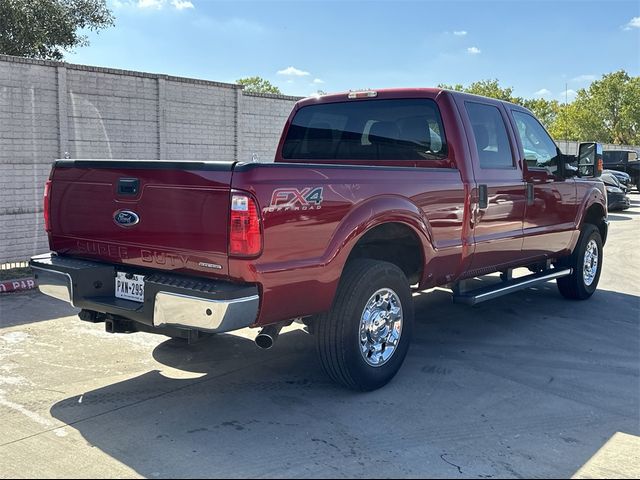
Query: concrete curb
18, 285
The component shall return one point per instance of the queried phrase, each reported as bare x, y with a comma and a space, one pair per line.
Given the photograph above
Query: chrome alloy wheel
380, 327
590, 267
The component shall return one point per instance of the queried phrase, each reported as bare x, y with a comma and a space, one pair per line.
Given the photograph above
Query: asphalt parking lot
529, 385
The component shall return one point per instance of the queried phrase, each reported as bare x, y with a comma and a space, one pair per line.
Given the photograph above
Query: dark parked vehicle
623, 161
617, 198
624, 178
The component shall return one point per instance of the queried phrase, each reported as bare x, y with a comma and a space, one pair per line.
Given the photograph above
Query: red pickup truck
372, 195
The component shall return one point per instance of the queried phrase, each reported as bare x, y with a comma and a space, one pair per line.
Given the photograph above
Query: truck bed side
306, 244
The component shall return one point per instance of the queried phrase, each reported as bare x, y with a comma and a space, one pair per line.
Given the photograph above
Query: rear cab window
393, 129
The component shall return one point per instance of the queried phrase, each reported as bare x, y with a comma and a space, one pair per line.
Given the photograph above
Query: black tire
338, 331
574, 286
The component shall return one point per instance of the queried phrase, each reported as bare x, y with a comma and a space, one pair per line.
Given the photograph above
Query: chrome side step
483, 294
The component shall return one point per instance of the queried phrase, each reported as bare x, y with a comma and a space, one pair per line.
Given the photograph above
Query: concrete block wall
28, 142
200, 121
262, 119
109, 115
49, 109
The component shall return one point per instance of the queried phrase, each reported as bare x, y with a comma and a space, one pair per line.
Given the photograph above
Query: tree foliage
45, 29
607, 111
258, 85
545, 110
486, 88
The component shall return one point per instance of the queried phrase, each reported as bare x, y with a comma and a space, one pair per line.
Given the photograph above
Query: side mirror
568, 166
590, 159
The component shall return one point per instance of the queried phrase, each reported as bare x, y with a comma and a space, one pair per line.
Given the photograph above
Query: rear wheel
586, 262
363, 341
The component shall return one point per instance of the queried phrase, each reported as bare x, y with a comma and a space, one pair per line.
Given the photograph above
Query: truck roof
380, 92
428, 92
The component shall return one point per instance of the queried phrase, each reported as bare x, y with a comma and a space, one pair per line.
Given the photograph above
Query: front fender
595, 194
592, 196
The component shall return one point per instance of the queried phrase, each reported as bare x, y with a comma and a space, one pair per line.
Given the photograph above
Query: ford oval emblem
126, 218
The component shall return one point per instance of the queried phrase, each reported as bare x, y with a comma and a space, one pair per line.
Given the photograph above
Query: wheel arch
392, 221
596, 215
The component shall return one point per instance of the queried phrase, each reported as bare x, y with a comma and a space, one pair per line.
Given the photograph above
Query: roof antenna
566, 125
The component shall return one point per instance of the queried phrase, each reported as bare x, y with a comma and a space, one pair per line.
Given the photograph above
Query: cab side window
490, 132
540, 151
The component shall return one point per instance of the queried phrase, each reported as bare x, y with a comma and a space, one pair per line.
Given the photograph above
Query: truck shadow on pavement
526, 385
22, 308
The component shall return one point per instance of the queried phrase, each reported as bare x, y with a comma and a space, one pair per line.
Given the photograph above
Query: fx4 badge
286, 199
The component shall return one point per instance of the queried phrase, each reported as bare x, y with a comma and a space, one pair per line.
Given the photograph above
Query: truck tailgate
153, 214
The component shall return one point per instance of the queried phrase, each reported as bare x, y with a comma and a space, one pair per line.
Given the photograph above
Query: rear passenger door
500, 194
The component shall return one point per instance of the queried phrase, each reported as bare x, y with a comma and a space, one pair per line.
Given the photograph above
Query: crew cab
372, 195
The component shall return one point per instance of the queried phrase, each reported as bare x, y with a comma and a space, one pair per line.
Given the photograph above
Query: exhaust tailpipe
268, 336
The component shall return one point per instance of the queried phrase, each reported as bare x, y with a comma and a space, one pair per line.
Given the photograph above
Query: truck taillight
47, 206
245, 233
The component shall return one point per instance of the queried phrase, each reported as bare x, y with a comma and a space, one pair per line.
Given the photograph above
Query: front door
551, 211
500, 189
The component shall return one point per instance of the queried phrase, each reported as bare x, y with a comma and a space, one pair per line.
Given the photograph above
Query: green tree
258, 85
486, 88
545, 110
46, 29
607, 111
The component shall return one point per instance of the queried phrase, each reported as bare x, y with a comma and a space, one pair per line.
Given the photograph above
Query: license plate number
130, 288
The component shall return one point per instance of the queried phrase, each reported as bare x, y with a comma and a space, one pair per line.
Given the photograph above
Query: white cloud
292, 71
633, 23
473, 50
182, 4
584, 78
543, 92
318, 81
459, 33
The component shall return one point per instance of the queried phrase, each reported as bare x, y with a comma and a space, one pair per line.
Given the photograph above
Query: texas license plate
130, 287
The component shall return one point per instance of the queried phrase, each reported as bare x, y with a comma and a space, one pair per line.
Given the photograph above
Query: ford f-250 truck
372, 195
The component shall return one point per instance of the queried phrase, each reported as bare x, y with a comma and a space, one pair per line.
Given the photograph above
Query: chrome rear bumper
176, 310
54, 284
171, 301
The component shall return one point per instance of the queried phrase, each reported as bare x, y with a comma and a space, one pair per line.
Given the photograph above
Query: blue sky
302, 46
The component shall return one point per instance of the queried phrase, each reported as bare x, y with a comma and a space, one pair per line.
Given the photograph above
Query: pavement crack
452, 464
